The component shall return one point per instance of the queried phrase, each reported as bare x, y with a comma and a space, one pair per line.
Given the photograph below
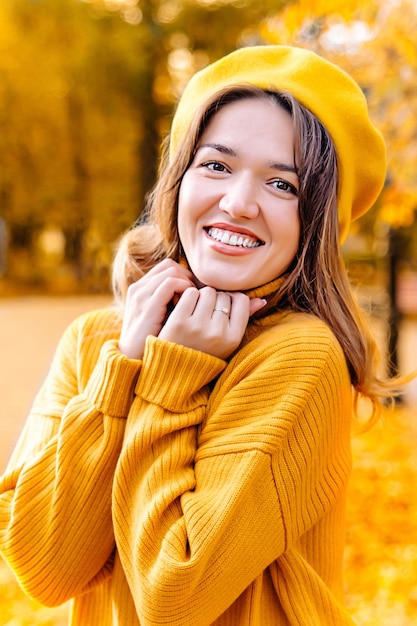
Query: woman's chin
219, 283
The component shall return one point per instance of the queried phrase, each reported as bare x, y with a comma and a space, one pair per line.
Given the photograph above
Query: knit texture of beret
323, 88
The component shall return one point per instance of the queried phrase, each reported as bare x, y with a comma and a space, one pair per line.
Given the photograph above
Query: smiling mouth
233, 239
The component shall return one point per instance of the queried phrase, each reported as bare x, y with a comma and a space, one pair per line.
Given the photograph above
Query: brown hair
317, 280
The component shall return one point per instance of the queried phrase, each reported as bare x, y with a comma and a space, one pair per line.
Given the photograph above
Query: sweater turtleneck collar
272, 316
263, 291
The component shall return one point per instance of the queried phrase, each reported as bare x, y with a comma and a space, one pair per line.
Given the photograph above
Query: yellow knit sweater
181, 489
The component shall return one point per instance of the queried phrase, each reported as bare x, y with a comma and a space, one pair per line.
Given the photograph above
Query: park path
30, 328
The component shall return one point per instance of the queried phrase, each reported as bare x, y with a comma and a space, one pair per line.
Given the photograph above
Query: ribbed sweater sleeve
55, 497
215, 484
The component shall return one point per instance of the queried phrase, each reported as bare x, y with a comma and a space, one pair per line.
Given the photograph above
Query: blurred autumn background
87, 89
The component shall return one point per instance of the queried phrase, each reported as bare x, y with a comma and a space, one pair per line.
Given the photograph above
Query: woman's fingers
147, 305
171, 267
204, 319
256, 304
209, 321
148, 284
223, 305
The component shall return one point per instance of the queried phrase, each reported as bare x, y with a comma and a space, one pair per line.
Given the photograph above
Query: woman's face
238, 207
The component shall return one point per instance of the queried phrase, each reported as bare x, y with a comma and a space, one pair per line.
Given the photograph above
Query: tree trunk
394, 319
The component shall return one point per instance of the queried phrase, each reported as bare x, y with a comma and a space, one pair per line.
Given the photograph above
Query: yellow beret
322, 87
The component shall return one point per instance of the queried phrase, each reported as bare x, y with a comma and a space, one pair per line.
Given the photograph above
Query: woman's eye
214, 166
283, 185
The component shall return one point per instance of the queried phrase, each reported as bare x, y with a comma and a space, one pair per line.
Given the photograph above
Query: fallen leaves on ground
381, 553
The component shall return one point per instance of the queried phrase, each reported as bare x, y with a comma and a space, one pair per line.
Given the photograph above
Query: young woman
187, 459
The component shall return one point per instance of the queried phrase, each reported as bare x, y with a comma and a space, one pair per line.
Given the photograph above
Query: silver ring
223, 310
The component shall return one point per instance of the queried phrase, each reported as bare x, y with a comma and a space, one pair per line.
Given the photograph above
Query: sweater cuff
172, 375
112, 383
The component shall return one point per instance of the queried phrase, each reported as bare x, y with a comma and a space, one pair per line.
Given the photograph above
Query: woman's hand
204, 319
147, 305
210, 321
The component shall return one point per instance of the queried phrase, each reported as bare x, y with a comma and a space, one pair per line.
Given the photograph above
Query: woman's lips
234, 238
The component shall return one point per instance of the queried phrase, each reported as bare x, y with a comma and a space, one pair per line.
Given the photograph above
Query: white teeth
232, 239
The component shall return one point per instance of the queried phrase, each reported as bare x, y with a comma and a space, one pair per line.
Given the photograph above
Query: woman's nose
240, 198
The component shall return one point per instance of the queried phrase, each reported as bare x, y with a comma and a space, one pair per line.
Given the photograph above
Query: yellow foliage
398, 207
296, 14
381, 555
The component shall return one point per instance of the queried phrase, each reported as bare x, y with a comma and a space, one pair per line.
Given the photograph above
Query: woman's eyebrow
282, 167
219, 147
